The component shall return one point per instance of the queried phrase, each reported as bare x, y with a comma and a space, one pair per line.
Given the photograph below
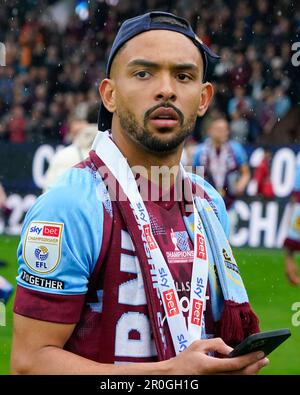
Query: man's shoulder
200, 147
73, 185
239, 151
79, 190
236, 146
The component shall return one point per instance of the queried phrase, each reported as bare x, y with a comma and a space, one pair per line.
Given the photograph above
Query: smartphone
263, 341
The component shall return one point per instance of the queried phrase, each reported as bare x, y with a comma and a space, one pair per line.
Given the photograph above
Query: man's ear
107, 93
206, 98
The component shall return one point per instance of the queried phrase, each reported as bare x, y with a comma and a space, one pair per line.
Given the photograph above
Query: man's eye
183, 77
142, 74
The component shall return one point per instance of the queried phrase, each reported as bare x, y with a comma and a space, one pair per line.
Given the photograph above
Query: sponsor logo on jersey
51, 231
42, 246
42, 282
170, 303
150, 240
35, 229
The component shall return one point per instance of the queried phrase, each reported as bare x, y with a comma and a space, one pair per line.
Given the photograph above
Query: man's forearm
54, 360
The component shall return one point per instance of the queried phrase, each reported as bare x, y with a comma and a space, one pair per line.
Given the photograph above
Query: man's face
219, 131
157, 79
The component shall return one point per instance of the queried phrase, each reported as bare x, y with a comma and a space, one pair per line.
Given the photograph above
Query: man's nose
166, 88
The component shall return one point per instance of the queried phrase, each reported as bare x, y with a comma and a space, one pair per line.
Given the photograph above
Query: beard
147, 139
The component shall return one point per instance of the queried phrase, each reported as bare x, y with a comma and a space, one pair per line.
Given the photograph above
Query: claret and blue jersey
77, 265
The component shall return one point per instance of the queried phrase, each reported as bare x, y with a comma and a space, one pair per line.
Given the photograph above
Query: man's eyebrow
147, 63
142, 62
186, 66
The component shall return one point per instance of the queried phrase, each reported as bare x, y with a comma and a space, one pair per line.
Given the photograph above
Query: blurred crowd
53, 70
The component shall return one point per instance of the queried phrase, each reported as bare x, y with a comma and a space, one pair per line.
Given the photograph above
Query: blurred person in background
83, 129
262, 176
224, 160
17, 125
292, 242
239, 110
225, 165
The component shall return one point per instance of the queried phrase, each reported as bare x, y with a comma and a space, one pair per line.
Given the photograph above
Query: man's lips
164, 117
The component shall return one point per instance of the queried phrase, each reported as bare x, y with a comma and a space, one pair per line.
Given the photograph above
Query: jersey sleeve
217, 201
59, 247
239, 153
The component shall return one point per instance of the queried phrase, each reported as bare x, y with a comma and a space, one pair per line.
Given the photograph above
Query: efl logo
51, 231
201, 249
149, 238
170, 302
197, 309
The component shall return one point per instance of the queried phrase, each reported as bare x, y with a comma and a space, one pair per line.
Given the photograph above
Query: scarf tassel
237, 322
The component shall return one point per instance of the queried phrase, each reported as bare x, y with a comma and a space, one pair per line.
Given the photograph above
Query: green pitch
271, 296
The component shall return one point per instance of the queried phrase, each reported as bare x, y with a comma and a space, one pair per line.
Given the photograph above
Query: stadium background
55, 58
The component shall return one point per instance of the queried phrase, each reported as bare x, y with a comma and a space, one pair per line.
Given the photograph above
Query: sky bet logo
201, 249
149, 238
170, 303
35, 229
47, 230
182, 342
163, 278
197, 309
199, 287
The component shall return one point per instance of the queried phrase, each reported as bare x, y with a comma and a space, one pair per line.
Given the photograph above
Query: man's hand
243, 180
195, 361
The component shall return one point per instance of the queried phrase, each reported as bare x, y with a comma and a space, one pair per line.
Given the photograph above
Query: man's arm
243, 180
38, 349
